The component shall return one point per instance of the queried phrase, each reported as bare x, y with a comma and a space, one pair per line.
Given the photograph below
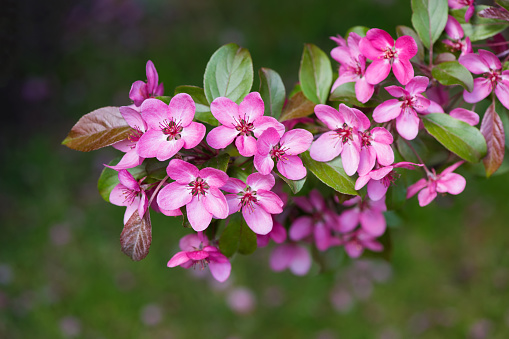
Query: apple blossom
140, 91
367, 213
291, 256
129, 193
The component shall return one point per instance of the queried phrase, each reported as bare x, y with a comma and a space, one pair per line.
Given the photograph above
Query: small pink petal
426, 196
125, 178
348, 220
414, 188
214, 177
154, 112
281, 257
258, 219
367, 158
181, 109
396, 91
373, 222
234, 185
129, 160
168, 149
407, 124
387, 110
246, 145
292, 168
363, 120
220, 270
197, 214
221, 136
403, 70
133, 118
376, 190
474, 63
491, 59
406, 47
380, 39
350, 157
193, 134
301, 228
270, 201
453, 28
377, 71
138, 92
482, 88
182, 171
252, 107
384, 153
173, 196
327, 147
225, 111
296, 141
502, 92
118, 197
470, 117
215, 203
152, 77
417, 85
301, 262
178, 259
354, 249
233, 202
263, 163
363, 90
267, 140
263, 123
452, 183
361, 181
259, 181
329, 116
278, 233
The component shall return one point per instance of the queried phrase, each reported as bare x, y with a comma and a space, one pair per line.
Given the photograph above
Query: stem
428, 172
157, 189
492, 44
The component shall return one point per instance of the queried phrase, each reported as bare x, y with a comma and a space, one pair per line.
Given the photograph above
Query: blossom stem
418, 157
157, 189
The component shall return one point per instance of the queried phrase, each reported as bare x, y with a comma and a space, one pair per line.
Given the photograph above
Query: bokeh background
62, 274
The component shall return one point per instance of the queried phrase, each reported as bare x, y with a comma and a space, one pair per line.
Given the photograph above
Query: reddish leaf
298, 106
99, 128
495, 13
493, 131
136, 236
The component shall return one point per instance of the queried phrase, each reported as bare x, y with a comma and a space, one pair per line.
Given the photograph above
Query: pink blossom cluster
362, 142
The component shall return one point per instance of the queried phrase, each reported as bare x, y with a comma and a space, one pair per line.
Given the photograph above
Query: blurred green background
62, 274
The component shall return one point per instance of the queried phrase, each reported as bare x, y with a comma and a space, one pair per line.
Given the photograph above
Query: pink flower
129, 146
368, 213
357, 241
380, 179
197, 251
465, 115
141, 91
404, 110
171, 127
292, 256
380, 47
375, 145
240, 122
198, 190
278, 234
352, 69
255, 199
284, 150
129, 193
343, 137
455, 32
489, 65
445, 182
317, 224
457, 4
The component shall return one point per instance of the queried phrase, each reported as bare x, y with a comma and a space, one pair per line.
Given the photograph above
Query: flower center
129, 195
494, 77
199, 187
389, 53
244, 127
278, 152
345, 133
408, 102
171, 129
389, 178
366, 139
134, 135
248, 198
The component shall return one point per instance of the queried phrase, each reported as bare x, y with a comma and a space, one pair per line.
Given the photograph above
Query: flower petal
215, 203
252, 107
263, 163
246, 145
225, 111
182, 171
376, 190
301, 228
474, 63
363, 90
173, 196
197, 214
482, 88
377, 71
329, 116
292, 168
407, 124
178, 259
154, 112
220, 270
406, 47
470, 117
387, 110
193, 134
296, 141
263, 123
221, 136
372, 221
234, 185
403, 70
214, 177
327, 147
270, 201
350, 157
417, 85
259, 181
301, 262
258, 219
181, 109
452, 183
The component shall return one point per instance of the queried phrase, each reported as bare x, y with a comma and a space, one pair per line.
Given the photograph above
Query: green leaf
330, 173
237, 236
295, 185
404, 30
346, 93
298, 106
156, 169
315, 74
229, 73
386, 254
165, 99
479, 28
457, 136
272, 91
202, 113
429, 18
453, 73
360, 30
109, 178
219, 162
100, 128
493, 131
